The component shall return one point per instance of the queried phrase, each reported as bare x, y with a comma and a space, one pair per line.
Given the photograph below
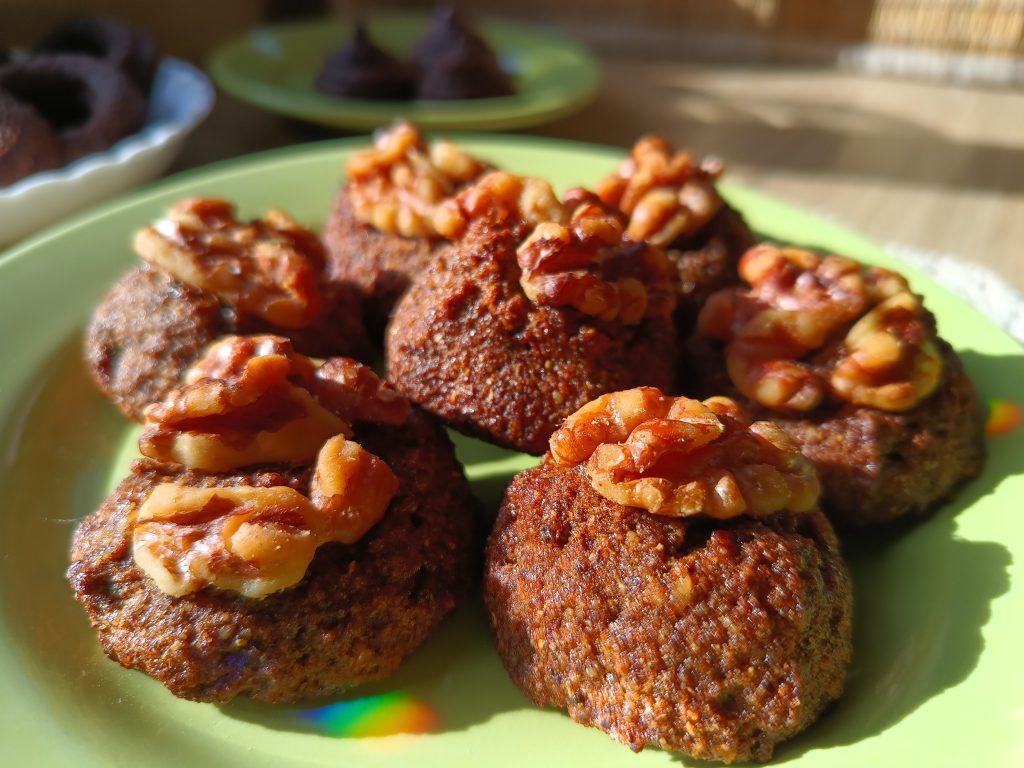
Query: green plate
936, 679
274, 68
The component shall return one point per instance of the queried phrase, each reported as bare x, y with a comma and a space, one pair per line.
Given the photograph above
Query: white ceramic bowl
182, 96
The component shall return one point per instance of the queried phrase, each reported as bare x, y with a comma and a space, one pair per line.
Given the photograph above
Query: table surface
933, 166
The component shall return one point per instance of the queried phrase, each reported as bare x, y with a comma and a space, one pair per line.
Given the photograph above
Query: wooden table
937, 167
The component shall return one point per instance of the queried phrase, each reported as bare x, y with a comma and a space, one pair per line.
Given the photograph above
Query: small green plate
274, 68
937, 678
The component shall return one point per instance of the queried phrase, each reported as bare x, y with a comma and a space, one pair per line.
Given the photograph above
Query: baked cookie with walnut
847, 360
295, 528
206, 274
536, 309
665, 575
671, 200
384, 228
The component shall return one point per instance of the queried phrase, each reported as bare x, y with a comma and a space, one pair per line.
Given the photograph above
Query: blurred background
903, 119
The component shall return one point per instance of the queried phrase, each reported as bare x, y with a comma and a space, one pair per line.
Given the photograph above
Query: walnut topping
256, 541
249, 540
232, 358
398, 185
247, 401
351, 488
794, 335
889, 361
267, 267
588, 265
354, 392
679, 457
504, 198
665, 194
254, 400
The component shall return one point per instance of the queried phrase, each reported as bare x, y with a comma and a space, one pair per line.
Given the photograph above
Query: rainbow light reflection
384, 715
1004, 417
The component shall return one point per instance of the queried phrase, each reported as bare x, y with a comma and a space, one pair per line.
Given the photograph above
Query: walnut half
588, 265
665, 194
266, 267
254, 400
249, 540
350, 489
810, 326
503, 199
889, 360
248, 401
398, 184
678, 457
256, 541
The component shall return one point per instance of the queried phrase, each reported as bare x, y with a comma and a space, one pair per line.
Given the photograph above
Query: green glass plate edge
975, 722
559, 76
